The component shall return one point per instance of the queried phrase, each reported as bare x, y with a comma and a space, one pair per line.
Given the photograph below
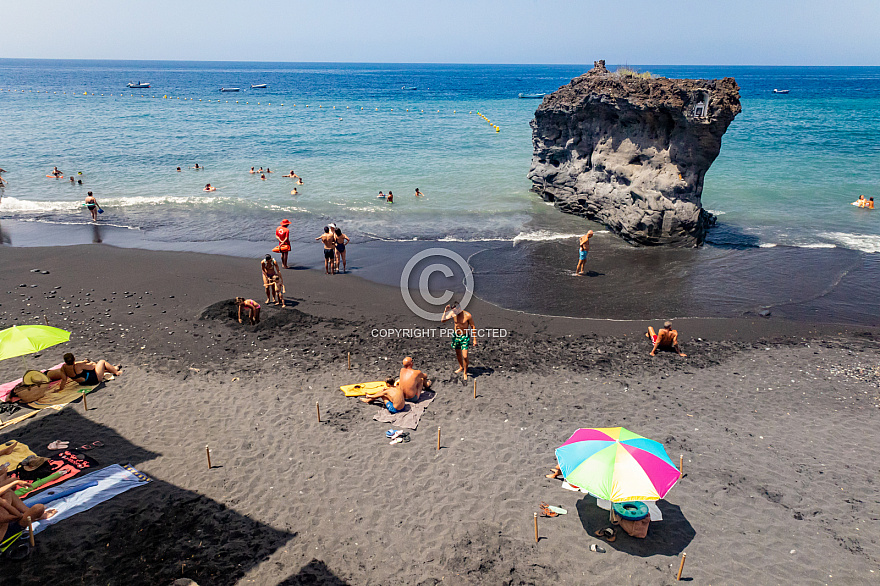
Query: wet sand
776, 420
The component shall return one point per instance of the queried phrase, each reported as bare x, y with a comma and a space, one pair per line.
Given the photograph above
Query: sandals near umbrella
607, 533
547, 512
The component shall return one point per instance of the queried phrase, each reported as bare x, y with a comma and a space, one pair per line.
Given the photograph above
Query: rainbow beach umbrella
616, 464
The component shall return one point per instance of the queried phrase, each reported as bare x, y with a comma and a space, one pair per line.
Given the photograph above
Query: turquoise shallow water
789, 165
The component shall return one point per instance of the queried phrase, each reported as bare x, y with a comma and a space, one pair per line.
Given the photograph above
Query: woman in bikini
270, 270
250, 307
86, 372
341, 241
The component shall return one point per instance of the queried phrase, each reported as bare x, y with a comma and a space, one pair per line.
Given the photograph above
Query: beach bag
637, 529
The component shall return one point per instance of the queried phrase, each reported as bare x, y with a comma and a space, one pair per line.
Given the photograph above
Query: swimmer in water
252, 171
178, 169
268, 170
209, 187
381, 195
291, 175
860, 202
390, 197
79, 181
197, 167
260, 171
870, 204
71, 180
419, 193
299, 181
56, 173
294, 192
263, 177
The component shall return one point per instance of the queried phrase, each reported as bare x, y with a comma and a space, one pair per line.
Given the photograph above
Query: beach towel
6, 388
58, 398
69, 463
361, 389
20, 452
19, 419
410, 415
111, 481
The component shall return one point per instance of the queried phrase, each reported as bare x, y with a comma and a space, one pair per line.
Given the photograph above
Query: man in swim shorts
583, 251
462, 340
329, 241
391, 397
282, 233
667, 339
412, 381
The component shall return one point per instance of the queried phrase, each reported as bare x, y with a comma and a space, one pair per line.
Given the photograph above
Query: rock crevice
631, 152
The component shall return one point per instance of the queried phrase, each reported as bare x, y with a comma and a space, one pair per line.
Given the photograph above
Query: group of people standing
334, 242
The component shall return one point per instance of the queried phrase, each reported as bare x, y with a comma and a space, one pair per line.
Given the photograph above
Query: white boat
230, 89
259, 86
408, 87
534, 96
781, 91
138, 85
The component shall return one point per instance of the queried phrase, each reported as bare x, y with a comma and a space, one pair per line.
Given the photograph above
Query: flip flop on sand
546, 512
58, 445
607, 534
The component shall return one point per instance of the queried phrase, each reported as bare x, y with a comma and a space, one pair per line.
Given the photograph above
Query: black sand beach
776, 421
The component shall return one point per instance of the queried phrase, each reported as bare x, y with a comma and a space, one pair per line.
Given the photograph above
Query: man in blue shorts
583, 251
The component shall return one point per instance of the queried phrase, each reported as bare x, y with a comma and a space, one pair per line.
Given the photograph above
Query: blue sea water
789, 166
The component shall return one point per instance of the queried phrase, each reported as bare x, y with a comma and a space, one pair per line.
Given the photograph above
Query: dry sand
777, 422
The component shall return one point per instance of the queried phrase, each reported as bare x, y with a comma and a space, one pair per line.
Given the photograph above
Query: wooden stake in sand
31, 531
208, 453
349, 361
536, 527
680, 462
318, 409
438, 438
85, 405
680, 567
475, 388
47, 320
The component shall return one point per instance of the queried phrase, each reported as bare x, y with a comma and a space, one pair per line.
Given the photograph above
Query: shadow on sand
314, 572
152, 534
668, 537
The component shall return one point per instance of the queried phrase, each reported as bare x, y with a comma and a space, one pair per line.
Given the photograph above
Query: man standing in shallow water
465, 334
583, 251
329, 241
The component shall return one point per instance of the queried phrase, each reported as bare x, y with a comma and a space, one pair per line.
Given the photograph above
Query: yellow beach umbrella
21, 340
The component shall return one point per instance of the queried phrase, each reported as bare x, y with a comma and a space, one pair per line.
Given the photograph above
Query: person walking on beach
667, 339
328, 239
269, 267
583, 251
465, 334
341, 241
92, 206
283, 235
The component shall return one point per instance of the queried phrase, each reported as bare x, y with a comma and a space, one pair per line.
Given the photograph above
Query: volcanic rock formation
631, 151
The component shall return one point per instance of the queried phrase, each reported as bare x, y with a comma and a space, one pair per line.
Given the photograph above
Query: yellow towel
58, 398
361, 389
20, 452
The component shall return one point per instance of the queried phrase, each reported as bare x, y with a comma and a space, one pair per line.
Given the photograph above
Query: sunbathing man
462, 340
391, 397
412, 381
667, 339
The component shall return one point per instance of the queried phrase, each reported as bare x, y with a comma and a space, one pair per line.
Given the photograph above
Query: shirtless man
269, 267
412, 381
329, 241
462, 340
667, 339
391, 397
583, 251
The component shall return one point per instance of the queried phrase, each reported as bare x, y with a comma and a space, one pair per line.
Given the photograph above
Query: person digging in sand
462, 340
667, 339
86, 372
412, 381
391, 397
250, 308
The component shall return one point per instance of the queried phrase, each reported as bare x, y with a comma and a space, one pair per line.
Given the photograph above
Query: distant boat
259, 86
229, 89
781, 91
534, 96
138, 85
409, 87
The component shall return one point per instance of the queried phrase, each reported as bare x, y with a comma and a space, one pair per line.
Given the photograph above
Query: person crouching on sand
391, 397
667, 339
462, 340
250, 308
583, 251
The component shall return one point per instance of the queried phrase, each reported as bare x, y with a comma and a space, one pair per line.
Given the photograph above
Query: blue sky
743, 32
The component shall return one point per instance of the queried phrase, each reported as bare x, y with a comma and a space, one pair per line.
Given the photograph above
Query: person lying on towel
412, 381
391, 397
13, 512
